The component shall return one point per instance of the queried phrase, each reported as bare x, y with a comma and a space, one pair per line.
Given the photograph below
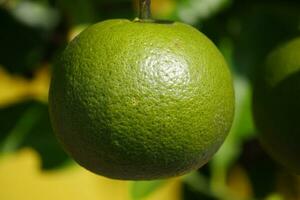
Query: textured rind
134, 100
276, 104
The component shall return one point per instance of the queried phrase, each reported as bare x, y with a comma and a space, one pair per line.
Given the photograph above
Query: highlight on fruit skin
141, 100
276, 105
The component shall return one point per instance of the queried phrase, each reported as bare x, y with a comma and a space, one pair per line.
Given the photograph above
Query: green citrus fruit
277, 104
141, 100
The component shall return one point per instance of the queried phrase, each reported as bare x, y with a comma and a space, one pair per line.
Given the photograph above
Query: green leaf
9, 117
22, 128
196, 186
142, 189
198, 182
29, 126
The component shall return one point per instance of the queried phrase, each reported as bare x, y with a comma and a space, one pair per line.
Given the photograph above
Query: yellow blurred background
33, 33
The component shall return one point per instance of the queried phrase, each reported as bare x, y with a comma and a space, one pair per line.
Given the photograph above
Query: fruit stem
145, 9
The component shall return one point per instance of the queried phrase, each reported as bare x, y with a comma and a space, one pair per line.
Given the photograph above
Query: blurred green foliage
33, 32
27, 124
141, 189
